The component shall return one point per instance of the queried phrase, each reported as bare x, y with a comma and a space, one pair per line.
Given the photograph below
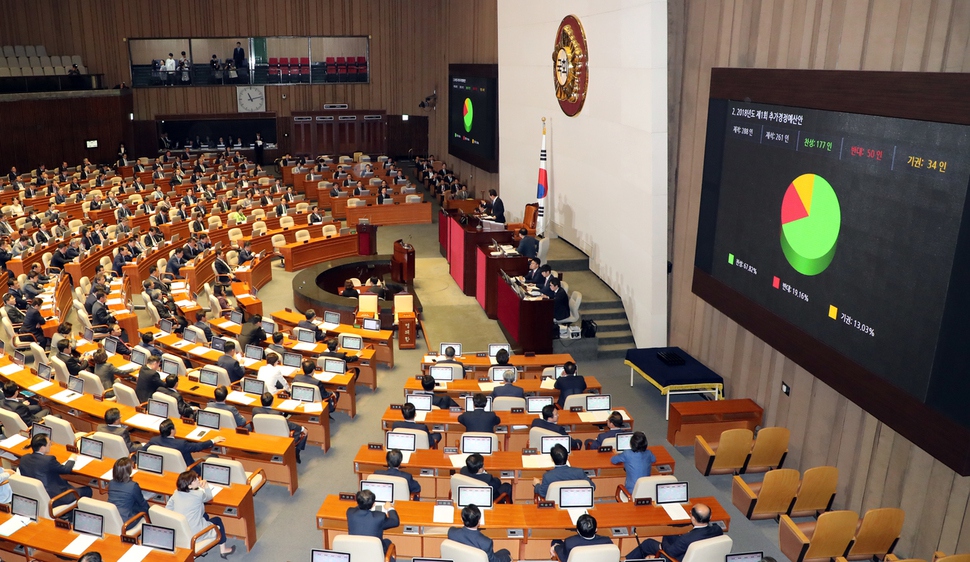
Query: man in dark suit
471, 536
507, 388
550, 422
675, 546
450, 358
362, 521
545, 275
100, 315
171, 384
614, 425
220, 394
309, 367
528, 245
238, 56
569, 383
475, 468
296, 430
560, 300
60, 256
42, 465
408, 413
394, 459
559, 472
478, 419
246, 253
34, 323
251, 333
498, 207
148, 379
229, 363
15, 315
586, 536
308, 324
201, 324
29, 413
166, 438
112, 424
175, 264
442, 401
65, 354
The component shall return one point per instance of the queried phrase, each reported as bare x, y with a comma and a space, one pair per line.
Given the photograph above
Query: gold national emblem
570, 70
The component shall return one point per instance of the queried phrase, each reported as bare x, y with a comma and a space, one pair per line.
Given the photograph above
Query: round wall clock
570, 66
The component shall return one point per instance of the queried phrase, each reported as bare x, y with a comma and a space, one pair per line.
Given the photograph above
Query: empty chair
816, 492
766, 499
820, 540
355, 202
113, 525
17, 340
238, 475
199, 543
412, 199
645, 487
506, 403
714, 548
367, 305
552, 493
329, 230
727, 456
126, 395
235, 234
12, 423
61, 374
400, 485
769, 450
575, 400
287, 222
91, 384
114, 445
173, 405
594, 553
278, 242
56, 61
878, 533
403, 303
455, 550
302, 235
543, 249
30, 50
271, 425
362, 548
537, 433
34, 489
421, 440
226, 419
172, 460
215, 222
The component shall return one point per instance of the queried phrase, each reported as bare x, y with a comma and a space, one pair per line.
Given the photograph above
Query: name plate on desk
242, 431
128, 540
455, 410
188, 421
620, 532
443, 502
528, 451
518, 410
546, 504
642, 501
515, 533
397, 406
576, 409
375, 447
606, 449
664, 469
484, 379
62, 524
451, 450
345, 496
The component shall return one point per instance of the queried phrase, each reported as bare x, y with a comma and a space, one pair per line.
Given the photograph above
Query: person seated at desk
175, 264
171, 389
614, 425
229, 362
13, 313
314, 217
528, 245
219, 403
42, 465
148, 379
331, 351
408, 412
60, 258
66, 353
394, 459
450, 358
309, 367
560, 301
148, 342
349, 290
478, 419
125, 493
475, 468
271, 375
569, 383
586, 536
545, 274
166, 438
298, 432
112, 424
30, 413
246, 254
469, 535
277, 345
307, 324
34, 323
251, 332
533, 275
550, 422
508, 388
189, 499
361, 521
559, 472
201, 324
675, 546
637, 460
106, 372
442, 401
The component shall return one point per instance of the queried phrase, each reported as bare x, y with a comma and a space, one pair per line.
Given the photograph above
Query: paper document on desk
198, 434
548, 384
243, 296
329, 326
129, 366
79, 544
66, 396
18, 522
420, 416
594, 417
312, 407
178, 285
145, 421
575, 513
429, 359
458, 460
324, 377
216, 489
287, 371
537, 461
114, 302
13, 441
82, 461
444, 514
304, 346
243, 268
199, 350
10, 369
184, 304
248, 362
181, 343
486, 386
224, 323
136, 553
289, 405
240, 398
406, 456
675, 511
40, 386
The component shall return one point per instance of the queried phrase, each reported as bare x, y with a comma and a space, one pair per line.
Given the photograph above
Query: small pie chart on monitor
468, 113
810, 222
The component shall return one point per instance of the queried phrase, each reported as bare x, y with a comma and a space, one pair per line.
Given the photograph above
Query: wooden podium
407, 330
402, 263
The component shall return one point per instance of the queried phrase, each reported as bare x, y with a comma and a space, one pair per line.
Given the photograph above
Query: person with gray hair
508, 388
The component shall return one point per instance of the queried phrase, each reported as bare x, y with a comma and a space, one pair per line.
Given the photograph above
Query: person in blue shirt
637, 460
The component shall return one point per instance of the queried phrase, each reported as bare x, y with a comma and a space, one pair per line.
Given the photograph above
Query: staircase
600, 303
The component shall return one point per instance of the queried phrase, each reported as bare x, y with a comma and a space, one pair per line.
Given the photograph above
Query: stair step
612, 325
620, 336
603, 314
615, 350
600, 305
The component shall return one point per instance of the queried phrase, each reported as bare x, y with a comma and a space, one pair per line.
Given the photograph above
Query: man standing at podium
498, 207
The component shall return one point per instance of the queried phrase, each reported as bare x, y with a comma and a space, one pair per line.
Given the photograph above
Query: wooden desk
382, 340
246, 300
538, 526
489, 267
463, 241
256, 273
318, 250
399, 213
709, 418
456, 389
527, 323
338, 205
528, 367
200, 271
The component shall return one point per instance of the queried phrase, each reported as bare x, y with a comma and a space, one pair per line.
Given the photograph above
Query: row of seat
40, 61
38, 71
841, 533
24, 50
738, 451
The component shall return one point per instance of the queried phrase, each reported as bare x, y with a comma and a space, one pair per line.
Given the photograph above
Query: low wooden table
709, 418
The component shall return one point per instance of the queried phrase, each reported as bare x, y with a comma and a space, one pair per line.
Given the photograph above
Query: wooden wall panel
877, 467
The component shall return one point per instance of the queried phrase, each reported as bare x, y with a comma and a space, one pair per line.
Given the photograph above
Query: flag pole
542, 190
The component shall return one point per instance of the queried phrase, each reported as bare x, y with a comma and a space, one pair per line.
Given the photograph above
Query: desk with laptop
476, 363
382, 340
444, 382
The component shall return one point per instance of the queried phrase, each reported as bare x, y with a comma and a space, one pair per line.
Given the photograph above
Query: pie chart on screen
810, 222
468, 113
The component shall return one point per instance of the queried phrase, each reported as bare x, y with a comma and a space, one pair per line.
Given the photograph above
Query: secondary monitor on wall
838, 231
473, 114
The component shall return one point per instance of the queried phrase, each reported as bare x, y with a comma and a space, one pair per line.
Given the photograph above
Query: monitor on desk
470, 403
24, 507
158, 408
268, 326
208, 419
253, 386
88, 334
236, 316
550, 441
138, 357
166, 325
88, 523
44, 371
161, 538
400, 440
598, 402
318, 555
432, 560
535, 404
493, 349
149, 462
218, 344
576, 497
744, 557
476, 444
110, 345
441, 373
169, 366
91, 448
254, 352
383, 491
498, 374
445, 345
216, 473
305, 336
480, 496
303, 393
372, 324
331, 317
353, 343
19, 358
675, 492
559, 370
292, 359
623, 441
75, 384
39, 428
421, 402
190, 336
209, 377
336, 366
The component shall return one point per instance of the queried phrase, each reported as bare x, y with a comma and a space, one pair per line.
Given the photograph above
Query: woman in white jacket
189, 500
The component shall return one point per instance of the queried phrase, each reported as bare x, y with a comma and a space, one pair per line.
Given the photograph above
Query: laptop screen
744, 557
422, 402
431, 560
88, 523
236, 316
38, 428
110, 345
292, 359
445, 345
305, 336
268, 326
149, 462
166, 325
44, 371
480, 496
470, 403
218, 343
190, 336
338, 366
217, 474
493, 348
330, 317
253, 386
444, 373
623, 441
75, 384
19, 358
24, 507
254, 352
329, 556
476, 444
675, 492
208, 419
550, 441
598, 402
209, 377
162, 538
372, 324
91, 447
575, 496
535, 404
138, 357
400, 441
559, 370
158, 408
498, 375
88, 334
383, 491
170, 367
354, 343
302, 393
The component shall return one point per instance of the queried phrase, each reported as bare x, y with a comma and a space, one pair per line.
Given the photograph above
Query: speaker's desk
463, 387
433, 468
532, 528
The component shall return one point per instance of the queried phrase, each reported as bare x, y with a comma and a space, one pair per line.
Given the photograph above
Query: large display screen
839, 236
473, 114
